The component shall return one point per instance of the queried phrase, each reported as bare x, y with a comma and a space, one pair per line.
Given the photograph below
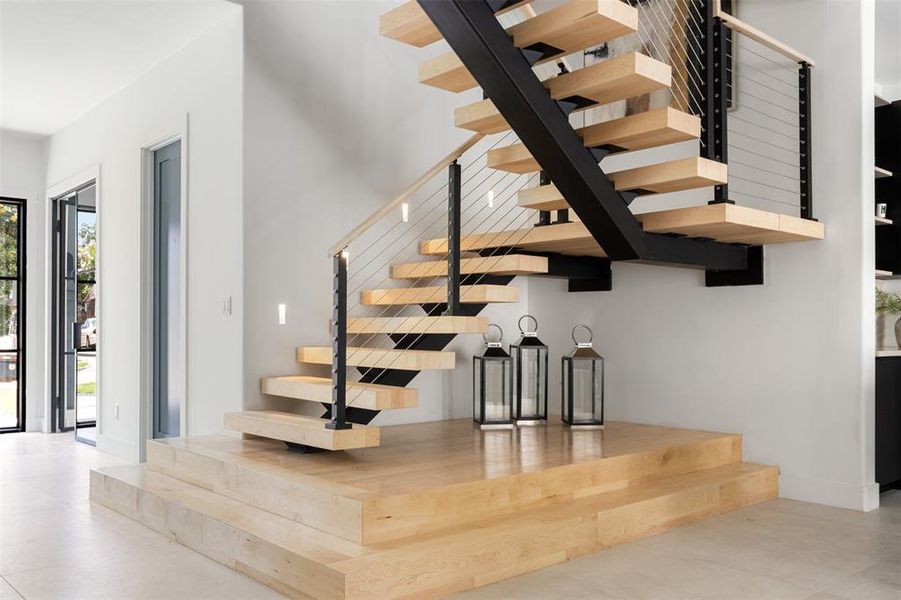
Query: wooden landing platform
438, 508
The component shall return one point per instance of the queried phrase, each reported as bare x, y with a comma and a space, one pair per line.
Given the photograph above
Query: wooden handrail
761, 37
421, 181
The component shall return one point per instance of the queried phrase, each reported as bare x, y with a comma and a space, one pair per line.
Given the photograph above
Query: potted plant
887, 303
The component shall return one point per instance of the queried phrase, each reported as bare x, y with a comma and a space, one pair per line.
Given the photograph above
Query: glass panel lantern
529, 375
583, 385
492, 371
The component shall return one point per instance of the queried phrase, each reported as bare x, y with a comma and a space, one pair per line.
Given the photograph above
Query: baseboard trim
854, 496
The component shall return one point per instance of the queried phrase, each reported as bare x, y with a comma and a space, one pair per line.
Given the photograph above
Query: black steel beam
753, 275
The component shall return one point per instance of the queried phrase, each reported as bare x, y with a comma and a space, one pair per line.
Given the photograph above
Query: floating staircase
404, 329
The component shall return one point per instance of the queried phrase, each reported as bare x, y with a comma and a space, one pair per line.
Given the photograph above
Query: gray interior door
167, 317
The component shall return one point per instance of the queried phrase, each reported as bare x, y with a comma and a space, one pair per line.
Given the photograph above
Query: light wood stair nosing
662, 178
469, 294
420, 324
371, 396
625, 76
381, 358
507, 264
300, 429
573, 26
640, 131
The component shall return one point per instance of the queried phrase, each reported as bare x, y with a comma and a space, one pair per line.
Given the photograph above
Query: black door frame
20, 278
58, 318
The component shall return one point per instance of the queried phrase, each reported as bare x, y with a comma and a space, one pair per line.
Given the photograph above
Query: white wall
336, 124
788, 364
202, 85
22, 175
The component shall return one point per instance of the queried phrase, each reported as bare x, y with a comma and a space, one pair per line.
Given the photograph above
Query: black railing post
453, 239
804, 141
339, 343
718, 103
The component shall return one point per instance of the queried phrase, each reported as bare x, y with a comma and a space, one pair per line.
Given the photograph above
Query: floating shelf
879, 99
887, 353
883, 274
880, 172
883, 221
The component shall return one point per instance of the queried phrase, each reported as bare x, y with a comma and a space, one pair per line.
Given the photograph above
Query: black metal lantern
492, 401
529, 376
583, 385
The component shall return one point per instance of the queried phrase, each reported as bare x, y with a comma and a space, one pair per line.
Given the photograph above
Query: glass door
76, 323
12, 314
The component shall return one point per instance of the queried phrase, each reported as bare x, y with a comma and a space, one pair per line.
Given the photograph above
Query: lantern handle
586, 328
523, 331
500, 332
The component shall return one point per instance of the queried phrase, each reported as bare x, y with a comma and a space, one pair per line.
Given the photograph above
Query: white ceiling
60, 58
888, 43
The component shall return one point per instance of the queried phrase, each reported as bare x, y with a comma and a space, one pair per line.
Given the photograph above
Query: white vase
898, 332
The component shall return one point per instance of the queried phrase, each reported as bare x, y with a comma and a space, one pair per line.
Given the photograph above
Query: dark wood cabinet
888, 421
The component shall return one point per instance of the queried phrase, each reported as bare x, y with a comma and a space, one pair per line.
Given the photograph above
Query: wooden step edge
625, 76
409, 24
527, 237
250, 540
672, 176
553, 534
663, 178
469, 294
382, 358
508, 264
573, 26
417, 325
618, 78
371, 396
300, 429
640, 131
577, 25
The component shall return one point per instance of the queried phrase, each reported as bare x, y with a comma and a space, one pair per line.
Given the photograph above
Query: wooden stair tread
635, 132
469, 294
574, 26
301, 429
297, 559
729, 223
381, 358
625, 76
371, 396
409, 24
420, 324
507, 264
663, 178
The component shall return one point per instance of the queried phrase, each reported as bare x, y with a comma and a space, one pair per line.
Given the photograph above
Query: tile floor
55, 544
